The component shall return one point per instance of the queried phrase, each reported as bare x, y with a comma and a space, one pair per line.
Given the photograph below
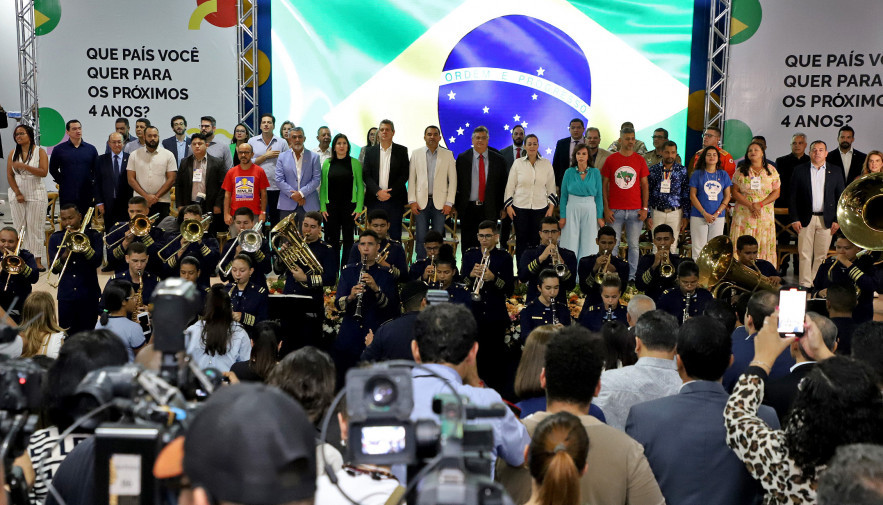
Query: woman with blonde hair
556, 459
42, 335
873, 163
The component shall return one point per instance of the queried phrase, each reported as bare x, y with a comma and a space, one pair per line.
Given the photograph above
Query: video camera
451, 460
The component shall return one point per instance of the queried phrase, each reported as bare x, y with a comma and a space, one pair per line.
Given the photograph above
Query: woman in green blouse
341, 194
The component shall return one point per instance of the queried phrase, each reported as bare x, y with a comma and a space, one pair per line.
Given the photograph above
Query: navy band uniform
78, 290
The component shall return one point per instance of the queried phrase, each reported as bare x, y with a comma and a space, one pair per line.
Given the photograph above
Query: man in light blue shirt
267, 147
179, 143
653, 376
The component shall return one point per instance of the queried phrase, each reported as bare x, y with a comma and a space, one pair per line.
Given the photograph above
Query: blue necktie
116, 173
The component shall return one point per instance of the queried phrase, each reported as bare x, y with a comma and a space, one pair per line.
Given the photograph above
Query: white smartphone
792, 312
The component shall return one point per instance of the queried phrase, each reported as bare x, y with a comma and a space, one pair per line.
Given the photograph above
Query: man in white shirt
323, 135
385, 173
151, 172
267, 148
432, 185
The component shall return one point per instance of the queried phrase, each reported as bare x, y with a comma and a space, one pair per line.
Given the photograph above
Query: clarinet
555, 321
687, 301
357, 314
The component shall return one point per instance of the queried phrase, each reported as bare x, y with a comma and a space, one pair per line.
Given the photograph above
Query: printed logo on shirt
244, 188
712, 189
625, 177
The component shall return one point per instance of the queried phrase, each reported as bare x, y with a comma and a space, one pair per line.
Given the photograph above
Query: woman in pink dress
755, 189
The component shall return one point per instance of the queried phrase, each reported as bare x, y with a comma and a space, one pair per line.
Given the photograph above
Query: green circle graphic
746, 18
47, 14
737, 136
51, 126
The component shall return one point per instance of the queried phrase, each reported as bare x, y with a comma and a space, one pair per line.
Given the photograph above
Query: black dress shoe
41, 269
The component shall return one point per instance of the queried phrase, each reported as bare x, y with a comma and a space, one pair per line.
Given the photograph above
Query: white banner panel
103, 59
810, 66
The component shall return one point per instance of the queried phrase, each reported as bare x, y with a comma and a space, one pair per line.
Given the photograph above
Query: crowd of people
656, 389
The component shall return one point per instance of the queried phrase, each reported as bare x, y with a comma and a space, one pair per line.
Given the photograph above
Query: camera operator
445, 342
80, 354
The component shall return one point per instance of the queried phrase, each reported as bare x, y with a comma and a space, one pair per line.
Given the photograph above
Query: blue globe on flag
513, 70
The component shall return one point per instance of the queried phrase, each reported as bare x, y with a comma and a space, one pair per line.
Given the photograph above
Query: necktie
116, 173
517, 152
481, 177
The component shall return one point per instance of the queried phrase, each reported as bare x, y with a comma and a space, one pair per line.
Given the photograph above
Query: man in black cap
268, 454
393, 339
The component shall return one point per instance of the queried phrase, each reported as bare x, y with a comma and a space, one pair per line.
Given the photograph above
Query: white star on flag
534, 96
548, 151
516, 117
524, 124
506, 127
467, 125
541, 71
452, 140
485, 109
459, 131
451, 95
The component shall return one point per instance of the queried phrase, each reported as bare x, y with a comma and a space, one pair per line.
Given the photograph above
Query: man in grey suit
510, 153
683, 435
597, 156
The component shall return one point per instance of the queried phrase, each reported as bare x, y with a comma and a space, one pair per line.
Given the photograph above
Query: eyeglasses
658, 136
549, 232
485, 236
20, 134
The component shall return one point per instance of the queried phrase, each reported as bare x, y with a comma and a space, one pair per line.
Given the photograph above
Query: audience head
837, 403
620, 345
760, 305
307, 375
268, 454
841, 299
189, 269
216, 334
723, 312
38, 318
436, 340
867, 346
574, 360
829, 335
854, 476
117, 294
557, 457
413, 296
533, 357
705, 349
656, 331
265, 344
638, 306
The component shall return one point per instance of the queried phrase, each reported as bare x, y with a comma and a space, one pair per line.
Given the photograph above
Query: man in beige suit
596, 154
619, 473
432, 185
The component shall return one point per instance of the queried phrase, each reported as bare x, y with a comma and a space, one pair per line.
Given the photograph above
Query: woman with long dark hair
118, 303
582, 204
241, 134
370, 140
556, 459
26, 167
341, 195
216, 340
710, 196
756, 186
264, 353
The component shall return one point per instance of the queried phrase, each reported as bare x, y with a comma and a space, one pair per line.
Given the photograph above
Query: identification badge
712, 197
755, 183
665, 187
197, 176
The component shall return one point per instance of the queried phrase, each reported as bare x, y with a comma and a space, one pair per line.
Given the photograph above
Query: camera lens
383, 392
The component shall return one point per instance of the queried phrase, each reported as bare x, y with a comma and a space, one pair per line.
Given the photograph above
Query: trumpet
603, 261
666, 269
12, 263
560, 267
138, 226
433, 278
357, 314
249, 240
76, 242
479, 282
191, 231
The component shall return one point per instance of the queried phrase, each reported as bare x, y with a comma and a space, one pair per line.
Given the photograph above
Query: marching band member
153, 241
244, 219
207, 250
746, 250
594, 316
78, 291
420, 269
16, 285
649, 277
497, 283
142, 280
847, 267
250, 299
395, 261
545, 309
366, 295
190, 269
589, 266
687, 299
546, 255
298, 282
445, 270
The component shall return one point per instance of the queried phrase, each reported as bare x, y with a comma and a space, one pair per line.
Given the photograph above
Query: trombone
76, 241
249, 240
12, 263
138, 226
191, 231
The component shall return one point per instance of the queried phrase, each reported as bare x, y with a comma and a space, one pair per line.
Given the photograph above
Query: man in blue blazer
112, 190
683, 435
812, 209
298, 190
179, 143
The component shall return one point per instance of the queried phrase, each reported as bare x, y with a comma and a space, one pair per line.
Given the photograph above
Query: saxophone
139, 298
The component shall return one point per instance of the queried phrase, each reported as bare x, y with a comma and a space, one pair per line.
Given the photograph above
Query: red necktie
517, 152
481, 177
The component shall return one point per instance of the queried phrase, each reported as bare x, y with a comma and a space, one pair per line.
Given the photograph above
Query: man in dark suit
393, 338
472, 206
511, 153
564, 148
785, 165
812, 209
851, 160
684, 436
385, 173
204, 172
779, 393
178, 143
112, 190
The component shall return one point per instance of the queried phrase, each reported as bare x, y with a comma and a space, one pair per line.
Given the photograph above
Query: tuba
719, 271
860, 212
292, 249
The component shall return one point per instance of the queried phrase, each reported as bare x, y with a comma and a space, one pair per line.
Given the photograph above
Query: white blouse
531, 186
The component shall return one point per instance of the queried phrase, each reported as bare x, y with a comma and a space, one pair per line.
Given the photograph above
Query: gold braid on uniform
205, 250
532, 268
147, 241
89, 252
